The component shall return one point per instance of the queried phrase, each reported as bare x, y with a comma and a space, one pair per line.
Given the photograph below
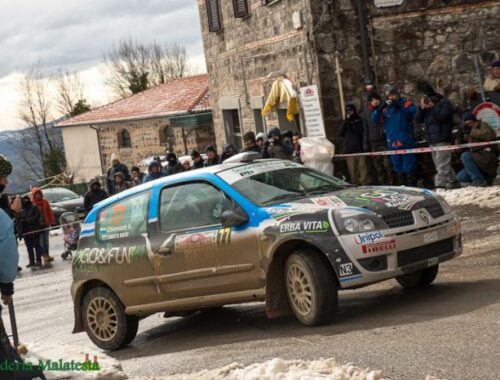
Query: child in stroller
71, 233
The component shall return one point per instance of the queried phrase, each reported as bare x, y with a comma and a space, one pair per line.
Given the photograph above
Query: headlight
353, 221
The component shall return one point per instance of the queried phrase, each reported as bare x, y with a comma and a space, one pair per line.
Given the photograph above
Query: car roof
174, 178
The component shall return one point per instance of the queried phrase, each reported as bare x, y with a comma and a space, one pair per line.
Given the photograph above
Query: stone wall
419, 40
147, 138
434, 40
241, 56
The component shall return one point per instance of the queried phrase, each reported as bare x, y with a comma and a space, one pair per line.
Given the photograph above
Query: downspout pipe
363, 36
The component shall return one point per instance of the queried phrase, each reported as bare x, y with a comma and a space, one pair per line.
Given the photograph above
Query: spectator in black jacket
197, 160
250, 143
173, 166
353, 130
94, 195
31, 225
375, 141
436, 113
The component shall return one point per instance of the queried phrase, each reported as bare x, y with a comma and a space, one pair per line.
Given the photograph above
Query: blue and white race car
243, 231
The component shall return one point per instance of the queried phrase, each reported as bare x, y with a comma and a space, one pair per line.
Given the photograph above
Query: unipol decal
387, 3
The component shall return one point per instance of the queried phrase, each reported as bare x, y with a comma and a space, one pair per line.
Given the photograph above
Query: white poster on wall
309, 97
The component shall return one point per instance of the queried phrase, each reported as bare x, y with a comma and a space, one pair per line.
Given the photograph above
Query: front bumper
402, 250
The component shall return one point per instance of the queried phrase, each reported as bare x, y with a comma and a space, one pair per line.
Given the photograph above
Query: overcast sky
74, 34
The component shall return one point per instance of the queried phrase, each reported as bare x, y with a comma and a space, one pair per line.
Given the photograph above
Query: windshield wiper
323, 189
285, 196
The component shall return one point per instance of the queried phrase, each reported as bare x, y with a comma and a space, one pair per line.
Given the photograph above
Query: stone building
376, 41
175, 116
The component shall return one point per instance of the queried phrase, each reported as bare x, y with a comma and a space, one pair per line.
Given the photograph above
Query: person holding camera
396, 114
435, 112
480, 163
352, 131
276, 147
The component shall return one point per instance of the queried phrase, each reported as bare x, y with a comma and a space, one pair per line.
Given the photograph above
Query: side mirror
233, 217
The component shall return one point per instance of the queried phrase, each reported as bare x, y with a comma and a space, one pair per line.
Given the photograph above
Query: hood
382, 200
153, 163
36, 190
93, 182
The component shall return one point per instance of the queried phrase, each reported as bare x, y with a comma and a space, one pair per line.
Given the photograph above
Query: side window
124, 219
191, 205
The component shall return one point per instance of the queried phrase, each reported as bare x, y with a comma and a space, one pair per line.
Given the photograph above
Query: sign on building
315, 126
387, 3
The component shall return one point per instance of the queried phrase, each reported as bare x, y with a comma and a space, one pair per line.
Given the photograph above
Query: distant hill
22, 177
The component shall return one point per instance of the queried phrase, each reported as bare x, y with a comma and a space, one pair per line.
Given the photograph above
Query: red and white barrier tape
420, 150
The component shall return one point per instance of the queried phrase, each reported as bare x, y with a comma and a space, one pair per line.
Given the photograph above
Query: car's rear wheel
419, 278
105, 320
311, 288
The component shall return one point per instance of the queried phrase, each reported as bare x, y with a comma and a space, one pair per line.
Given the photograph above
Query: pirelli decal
223, 236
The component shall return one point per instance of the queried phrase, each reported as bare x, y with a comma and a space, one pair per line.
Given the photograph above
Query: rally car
250, 230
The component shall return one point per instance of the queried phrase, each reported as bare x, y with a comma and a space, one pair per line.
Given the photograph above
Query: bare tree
134, 67
70, 91
40, 147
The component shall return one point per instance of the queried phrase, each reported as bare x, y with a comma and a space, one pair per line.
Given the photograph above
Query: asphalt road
450, 330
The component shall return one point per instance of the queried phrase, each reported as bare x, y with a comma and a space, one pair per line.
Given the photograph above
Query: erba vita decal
304, 226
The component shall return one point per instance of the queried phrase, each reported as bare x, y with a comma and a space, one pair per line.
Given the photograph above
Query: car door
200, 256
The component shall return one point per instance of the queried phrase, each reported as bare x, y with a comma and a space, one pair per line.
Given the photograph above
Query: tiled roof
177, 97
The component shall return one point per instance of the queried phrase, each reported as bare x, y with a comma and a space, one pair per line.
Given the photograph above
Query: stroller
71, 233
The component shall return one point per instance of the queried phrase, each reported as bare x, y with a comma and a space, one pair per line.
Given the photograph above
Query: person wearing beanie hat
212, 157
435, 112
197, 160
173, 166
352, 131
116, 166
276, 148
121, 183
154, 171
396, 114
480, 164
228, 150
375, 141
250, 143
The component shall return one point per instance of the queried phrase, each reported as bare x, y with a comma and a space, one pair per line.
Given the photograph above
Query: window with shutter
213, 13
240, 8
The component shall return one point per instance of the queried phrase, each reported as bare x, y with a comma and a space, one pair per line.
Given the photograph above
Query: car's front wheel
419, 278
105, 320
311, 288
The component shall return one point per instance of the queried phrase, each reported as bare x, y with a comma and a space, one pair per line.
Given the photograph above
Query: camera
388, 102
427, 100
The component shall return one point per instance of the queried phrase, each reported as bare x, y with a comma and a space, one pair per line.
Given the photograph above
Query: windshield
279, 186
59, 195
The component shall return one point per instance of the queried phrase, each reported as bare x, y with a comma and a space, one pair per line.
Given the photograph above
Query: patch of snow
279, 369
493, 228
478, 196
110, 368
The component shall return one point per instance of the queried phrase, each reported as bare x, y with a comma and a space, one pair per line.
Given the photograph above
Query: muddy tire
419, 278
311, 288
105, 320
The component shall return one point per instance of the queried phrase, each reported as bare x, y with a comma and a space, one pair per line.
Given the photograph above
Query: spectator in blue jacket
396, 114
9, 257
154, 171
